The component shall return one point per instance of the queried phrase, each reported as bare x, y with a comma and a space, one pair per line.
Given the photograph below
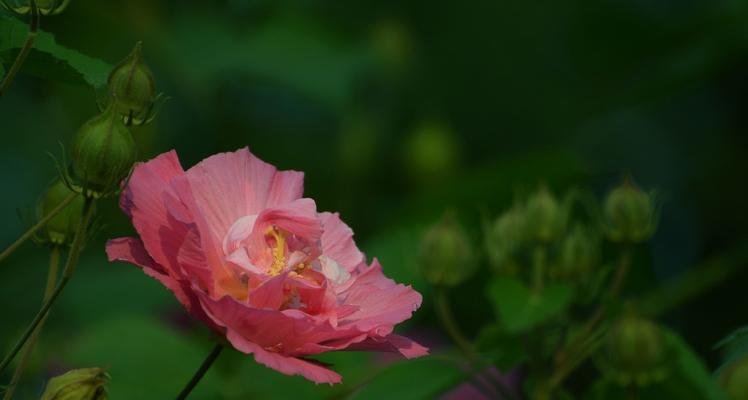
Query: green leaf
48, 59
145, 358
423, 378
504, 350
734, 347
521, 309
691, 369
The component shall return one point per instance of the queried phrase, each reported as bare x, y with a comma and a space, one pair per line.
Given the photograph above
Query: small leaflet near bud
446, 255
45, 7
103, 153
78, 384
132, 86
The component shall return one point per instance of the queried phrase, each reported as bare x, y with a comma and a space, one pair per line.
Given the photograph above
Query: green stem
67, 273
538, 268
54, 264
25, 50
200, 372
444, 311
42, 222
564, 355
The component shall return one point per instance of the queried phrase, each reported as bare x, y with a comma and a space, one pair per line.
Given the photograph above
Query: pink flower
243, 252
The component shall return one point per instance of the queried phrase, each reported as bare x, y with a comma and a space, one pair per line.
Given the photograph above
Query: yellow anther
279, 251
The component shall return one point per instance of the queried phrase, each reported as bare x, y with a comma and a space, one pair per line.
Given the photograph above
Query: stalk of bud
60, 230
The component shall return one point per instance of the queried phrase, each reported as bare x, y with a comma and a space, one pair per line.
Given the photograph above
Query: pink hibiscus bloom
243, 252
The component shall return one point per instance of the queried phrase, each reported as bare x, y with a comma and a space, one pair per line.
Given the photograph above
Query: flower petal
337, 242
284, 364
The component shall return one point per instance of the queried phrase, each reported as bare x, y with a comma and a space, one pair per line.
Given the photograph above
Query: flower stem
31, 231
54, 264
204, 367
576, 346
444, 311
21, 58
67, 273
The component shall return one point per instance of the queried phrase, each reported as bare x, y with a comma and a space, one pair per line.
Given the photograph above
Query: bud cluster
104, 150
44, 7
571, 245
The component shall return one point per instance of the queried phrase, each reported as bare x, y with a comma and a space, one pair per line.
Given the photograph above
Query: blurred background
397, 111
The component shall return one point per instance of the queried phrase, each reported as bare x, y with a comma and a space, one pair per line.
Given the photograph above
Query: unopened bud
60, 230
636, 350
734, 379
132, 87
78, 384
504, 239
45, 7
103, 153
579, 253
630, 214
545, 217
446, 255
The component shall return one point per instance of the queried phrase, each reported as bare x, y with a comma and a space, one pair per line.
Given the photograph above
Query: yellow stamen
279, 251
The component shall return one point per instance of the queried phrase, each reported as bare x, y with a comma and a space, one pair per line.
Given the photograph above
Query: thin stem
444, 311
31, 231
25, 50
54, 264
538, 268
67, 273
563, 355
204, 367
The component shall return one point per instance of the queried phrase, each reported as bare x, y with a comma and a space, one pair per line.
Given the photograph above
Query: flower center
278, 250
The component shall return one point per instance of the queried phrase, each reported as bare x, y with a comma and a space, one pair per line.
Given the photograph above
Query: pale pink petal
284, 364
337, 242
270, 294
228, 186
383, 303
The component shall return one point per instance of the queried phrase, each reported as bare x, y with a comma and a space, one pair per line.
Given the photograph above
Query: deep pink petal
131, 250
142, 199
284, 364
392, 343
337, 242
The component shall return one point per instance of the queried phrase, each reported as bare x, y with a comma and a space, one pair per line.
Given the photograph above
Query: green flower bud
504, 240
734, 379
132, 87
45, 7
636, 351
446, 257
630, 214
60, 230
545, 217
578, 255
78, 384
103, 153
